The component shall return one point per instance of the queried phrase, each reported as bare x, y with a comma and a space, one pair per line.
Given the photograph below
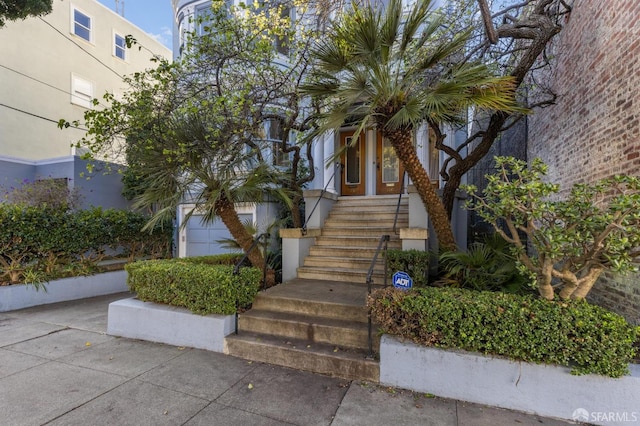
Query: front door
353, 164
389, 171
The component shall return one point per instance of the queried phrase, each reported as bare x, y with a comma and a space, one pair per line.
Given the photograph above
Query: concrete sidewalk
58, 367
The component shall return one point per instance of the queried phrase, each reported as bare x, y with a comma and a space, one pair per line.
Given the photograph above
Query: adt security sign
402, 280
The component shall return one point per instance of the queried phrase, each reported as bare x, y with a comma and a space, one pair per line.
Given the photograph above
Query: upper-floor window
81, 91
81, 25
119, 46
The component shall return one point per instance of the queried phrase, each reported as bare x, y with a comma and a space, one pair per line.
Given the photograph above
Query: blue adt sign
402, 280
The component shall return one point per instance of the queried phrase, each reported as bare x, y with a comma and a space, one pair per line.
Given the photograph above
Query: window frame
78, 98
75, 9
116, 46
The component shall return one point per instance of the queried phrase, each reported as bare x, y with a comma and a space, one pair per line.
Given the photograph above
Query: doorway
353, 162
389, 170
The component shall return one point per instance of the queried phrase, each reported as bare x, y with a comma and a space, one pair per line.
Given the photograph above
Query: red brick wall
593, 131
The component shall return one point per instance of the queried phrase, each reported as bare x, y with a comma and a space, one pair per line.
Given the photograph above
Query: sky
153, 16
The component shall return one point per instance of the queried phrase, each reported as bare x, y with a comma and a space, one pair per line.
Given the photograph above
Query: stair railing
238, 265
324, 190
395, 219
382, 246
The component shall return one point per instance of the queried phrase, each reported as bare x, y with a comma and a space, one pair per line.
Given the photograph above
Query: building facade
52, 68
593, 131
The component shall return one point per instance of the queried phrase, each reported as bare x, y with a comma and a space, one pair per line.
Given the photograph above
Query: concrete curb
172, 325
545, 390
21, 296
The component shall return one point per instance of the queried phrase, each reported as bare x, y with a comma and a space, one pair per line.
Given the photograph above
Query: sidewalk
58, 367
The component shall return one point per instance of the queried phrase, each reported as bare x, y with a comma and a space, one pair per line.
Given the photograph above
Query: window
203, 19
81, 91
81, 25
119, 47
278, 142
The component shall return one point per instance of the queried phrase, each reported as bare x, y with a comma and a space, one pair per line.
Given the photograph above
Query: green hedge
585, 337
198, 284
413, 262
49, 243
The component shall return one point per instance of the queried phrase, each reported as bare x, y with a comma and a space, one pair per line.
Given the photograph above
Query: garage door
202, 238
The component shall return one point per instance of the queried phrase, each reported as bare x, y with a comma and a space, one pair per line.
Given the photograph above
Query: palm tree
205, 164
396, 70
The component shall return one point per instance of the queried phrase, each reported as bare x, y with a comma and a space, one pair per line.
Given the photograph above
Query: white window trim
113, 51
81, 101
72, 24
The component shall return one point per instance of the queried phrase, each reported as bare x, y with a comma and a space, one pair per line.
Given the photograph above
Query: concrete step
388, 200
404, 208
368, 217
352, 334
302, 355
338, 274
354, 252
318, 298
356, 241
342, 262
357, 231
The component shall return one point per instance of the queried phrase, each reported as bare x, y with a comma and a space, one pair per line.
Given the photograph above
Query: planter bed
172, 325
545, 390
19, 296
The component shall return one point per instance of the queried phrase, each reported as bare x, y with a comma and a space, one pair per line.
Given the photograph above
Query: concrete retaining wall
21, 296
172, 325
545, 390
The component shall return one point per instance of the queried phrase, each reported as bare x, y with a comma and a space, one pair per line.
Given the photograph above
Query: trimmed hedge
585, 337
413, 262
198, 284
47, 243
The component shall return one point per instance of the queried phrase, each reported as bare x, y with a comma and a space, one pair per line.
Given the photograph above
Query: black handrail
238, 265
395, 220
304, 226
382, 244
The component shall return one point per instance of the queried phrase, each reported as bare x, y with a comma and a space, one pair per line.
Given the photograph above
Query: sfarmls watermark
582, 415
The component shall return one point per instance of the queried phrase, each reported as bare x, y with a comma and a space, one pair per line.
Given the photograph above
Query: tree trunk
584, 285
544, 276
225, 209
295, 211
401, 141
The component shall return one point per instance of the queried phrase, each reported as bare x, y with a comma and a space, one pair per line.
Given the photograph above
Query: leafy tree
395, 71
13, 10
518, 38
595, 229
194, 129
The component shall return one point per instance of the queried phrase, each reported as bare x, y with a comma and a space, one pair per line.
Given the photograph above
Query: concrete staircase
350, 237
318, 322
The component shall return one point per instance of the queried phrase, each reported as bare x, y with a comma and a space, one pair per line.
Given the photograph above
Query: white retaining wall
19, 296
545, 390
172, 325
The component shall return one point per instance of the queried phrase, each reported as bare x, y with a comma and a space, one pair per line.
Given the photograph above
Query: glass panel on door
352, 160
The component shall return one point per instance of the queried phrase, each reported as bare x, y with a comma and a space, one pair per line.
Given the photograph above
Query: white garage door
202, 238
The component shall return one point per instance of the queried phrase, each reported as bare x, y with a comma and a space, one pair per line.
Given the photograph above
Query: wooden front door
389, 170
353, 164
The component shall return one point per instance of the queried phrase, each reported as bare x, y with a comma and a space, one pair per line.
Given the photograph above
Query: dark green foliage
587, 338
488, 265
20, 9
48, 243
202, 287
413, 262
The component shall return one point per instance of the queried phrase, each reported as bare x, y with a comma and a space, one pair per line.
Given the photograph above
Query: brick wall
594, 130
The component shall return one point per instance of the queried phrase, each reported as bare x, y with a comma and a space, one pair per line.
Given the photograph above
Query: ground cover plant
573, 333
204, 285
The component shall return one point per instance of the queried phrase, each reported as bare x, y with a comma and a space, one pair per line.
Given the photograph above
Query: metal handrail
304, 226
382, 244
395, 220
238, 265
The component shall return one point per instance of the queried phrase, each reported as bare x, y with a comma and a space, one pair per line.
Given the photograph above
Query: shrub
203, 288
596, 228
487, 266
413, 262
573, 333
51, 193
48, 243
